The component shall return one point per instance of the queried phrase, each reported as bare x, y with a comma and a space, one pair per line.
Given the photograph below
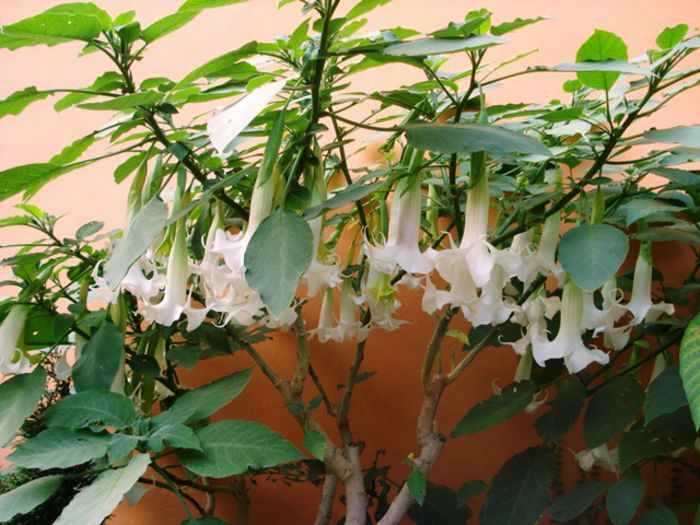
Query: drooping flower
604, 319
323, 271
402, 243
533, 317
324, 331
13, 360
176, 300
598, 457
641, 305
381, 297
568, 343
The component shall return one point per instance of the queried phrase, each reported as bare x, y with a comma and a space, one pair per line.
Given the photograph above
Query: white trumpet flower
568, 343
324, 331
175, 300
402, 244
604, 319
13, 360
381, 299
532, 315
598, 457
641, 305
478, 252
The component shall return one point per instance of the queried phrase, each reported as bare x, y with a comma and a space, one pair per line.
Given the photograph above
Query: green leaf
88, 229
120, 445
205, 400
364, 6
84, 409
518, 493
109, 81
176, 435
62, 23
167, 24
601, 46
688, 136
440, 507
690, 367
641, 208
611, 409
100, 360
19, 396
624, 497
278, 254
592, 253
59, 448
19, 100
575, 500
605, 67
439, 46
661, 515
671, 36
72, 152
207, 4
417, 485
315, 443
219, 65
665, 434
97, 501
233, 447
467, 491
147, 224
352, 193
469, 138
665, 394
125, 102
565, 409
20, 178
507, 27
27, 497
496, 409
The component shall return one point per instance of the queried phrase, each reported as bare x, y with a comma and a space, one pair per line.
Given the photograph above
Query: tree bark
325, 507
355, 495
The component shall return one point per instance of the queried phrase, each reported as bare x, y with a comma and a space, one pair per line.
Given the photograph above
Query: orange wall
386, 406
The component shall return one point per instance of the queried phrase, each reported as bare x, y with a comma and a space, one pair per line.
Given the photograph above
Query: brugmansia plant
513, 220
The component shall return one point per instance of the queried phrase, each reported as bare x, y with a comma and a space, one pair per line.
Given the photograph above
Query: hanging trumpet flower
13, 360
568, 343
641, 305
402, 243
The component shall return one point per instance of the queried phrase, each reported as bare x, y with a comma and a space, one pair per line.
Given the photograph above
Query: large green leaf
60, 448
84, 409
690, 367
100, 360
28, 496
518, 494
73, 151
564, 411
611, 409
661, 515
203, 401
469, 138
233, 447
496, 409
20, 178
97, 501
592, 253
175, 435
642, 208
278, 254
624, 497
147, 224
62, 23
15, 103
671, 36
19, 396
574, 501
601, 46
207, 4
665, 394
125, 102
688, 136
364, 6
665, 434
417, 485
609, 67
186, 13
439, 46
507, 27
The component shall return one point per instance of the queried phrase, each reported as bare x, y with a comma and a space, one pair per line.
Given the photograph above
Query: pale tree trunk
325, 507
355, 495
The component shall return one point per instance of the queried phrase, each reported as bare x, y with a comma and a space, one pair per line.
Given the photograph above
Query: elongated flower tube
547, 248
402, 243
323, 271
349, 326
381, 298
233, 247
641, 305
13, 360
324, 331
568, 343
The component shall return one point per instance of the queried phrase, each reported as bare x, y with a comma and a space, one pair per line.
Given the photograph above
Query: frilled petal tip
232, 248
580, 357
644, 311
409, 258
